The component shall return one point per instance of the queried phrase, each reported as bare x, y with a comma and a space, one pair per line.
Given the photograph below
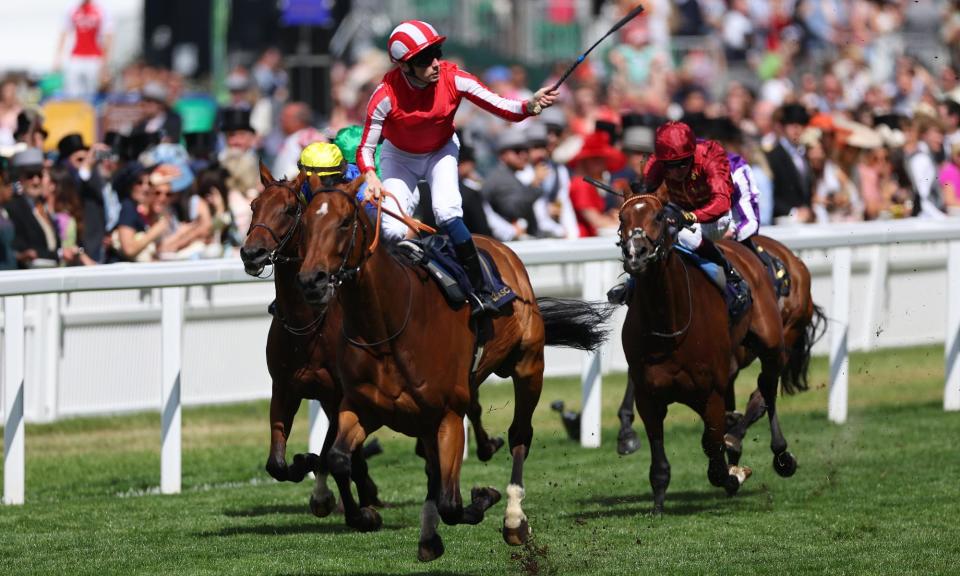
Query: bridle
275, 257
660, 251
345, 271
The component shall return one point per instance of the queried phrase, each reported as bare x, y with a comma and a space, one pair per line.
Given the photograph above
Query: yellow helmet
321, 159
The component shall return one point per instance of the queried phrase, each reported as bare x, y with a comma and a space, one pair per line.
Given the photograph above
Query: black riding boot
470, 260
737, 289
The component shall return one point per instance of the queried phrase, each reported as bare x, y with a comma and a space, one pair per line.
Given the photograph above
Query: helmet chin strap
407, 70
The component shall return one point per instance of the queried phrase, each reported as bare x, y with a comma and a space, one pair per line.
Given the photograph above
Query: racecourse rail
594, 254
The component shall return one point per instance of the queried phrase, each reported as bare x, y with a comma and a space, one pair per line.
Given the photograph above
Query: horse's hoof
734, 448
731, 485
430, 549
785, 464
627, 442
370, 520
302, 464
658, 509
486, 451
323, 507
487, 497
372, 448
277, 469
517, 536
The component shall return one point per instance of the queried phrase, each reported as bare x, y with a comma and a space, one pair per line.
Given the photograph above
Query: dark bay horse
680, 344
406, 360
301, 344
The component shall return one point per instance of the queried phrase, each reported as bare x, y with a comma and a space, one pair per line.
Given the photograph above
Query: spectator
296, 123
212, 190
553, 210
92, 30
595, 158
792, 182
30, 131
139, 228
507, 195
950, 114
8, 258
92, 171
471, 187
924, 135
66, 210
175, 241
160, 119
10, 109
950, 180
35, 241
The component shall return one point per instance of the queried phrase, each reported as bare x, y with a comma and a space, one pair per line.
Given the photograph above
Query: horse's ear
266, 178
297, 182
636, 188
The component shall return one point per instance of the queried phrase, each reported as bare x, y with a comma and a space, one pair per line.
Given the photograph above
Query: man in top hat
35, 241
792, 180
30, 130
236, 128
507, 195
93, 170
201, 147
160, 118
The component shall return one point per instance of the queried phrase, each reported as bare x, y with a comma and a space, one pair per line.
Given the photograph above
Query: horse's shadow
303, 509
681, 503
426, 573
288, 530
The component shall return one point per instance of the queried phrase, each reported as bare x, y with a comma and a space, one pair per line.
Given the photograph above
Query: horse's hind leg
718, 472
627, 442
527, 385
771, 366
652, 413
430, 546
366, 487
733, 439
350, 437
486, 446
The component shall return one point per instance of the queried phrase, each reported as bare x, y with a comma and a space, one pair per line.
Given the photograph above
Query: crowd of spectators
838, 118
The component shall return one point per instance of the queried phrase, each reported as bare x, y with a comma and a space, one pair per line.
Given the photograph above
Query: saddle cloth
440, 260
737, 303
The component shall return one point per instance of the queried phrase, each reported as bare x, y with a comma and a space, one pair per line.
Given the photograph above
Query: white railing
597, 257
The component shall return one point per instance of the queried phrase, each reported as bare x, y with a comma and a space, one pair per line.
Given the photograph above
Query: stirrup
411, 250
482, 305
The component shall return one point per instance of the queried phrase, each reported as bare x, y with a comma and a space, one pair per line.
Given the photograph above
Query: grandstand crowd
838, 117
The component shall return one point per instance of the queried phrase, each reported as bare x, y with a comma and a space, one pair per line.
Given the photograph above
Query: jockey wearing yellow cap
324, 167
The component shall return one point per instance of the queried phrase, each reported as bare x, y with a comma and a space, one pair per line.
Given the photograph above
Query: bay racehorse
680, 343
803, 325
301, 343
406, 360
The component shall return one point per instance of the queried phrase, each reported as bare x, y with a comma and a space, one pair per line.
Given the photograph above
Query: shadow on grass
288, 530
681, 503
304, 509
424, 573
647, 498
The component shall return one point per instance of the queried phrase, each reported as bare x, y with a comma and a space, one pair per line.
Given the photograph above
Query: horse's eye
291, 211
344, 225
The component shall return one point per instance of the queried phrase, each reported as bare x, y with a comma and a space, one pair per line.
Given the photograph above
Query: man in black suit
792, 178
35, 240
160, 118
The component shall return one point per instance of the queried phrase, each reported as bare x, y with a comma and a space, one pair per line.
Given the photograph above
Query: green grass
876, 495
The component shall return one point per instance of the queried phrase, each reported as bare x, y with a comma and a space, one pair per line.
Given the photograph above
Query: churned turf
877, 495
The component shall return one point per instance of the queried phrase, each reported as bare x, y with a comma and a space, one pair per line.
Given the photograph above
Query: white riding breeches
401, 173
691, 237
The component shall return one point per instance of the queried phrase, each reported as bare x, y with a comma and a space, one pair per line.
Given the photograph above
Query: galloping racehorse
680, 345
406, 360
301, 344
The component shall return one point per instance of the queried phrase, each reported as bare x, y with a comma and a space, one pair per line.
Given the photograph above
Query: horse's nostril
252, 253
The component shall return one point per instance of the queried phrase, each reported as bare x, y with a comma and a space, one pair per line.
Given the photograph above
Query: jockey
696, 175
324, 167
412, 110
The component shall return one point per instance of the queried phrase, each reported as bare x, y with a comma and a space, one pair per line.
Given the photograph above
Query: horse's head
277, 215
647, 232
337, 236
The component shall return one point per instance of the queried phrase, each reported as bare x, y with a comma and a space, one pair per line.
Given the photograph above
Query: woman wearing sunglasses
412, 110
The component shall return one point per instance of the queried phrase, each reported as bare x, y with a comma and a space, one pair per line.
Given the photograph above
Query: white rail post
466, 437
591, 378
172, 351
14, 461
876, 295
318, 427
839, 329
951, 390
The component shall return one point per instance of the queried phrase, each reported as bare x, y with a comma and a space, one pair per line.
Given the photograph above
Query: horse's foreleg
283, 407
719, 474
350, 437
783, 462
527, 385
430, 546
322, 499
652, 413
735, 435
450, 441
627, 441
486, 446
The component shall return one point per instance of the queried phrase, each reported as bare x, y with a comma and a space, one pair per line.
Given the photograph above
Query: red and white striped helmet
410, 38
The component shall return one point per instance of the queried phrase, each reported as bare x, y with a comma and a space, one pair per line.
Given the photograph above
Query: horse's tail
794, 377
574, 323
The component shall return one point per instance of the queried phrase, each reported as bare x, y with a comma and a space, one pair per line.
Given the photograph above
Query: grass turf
876, 495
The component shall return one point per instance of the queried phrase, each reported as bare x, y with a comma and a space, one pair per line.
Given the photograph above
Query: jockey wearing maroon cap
696, 176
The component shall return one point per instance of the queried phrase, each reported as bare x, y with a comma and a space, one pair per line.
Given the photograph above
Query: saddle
736, 295
435, 254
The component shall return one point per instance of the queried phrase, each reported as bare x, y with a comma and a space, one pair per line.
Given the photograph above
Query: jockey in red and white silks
412, 110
